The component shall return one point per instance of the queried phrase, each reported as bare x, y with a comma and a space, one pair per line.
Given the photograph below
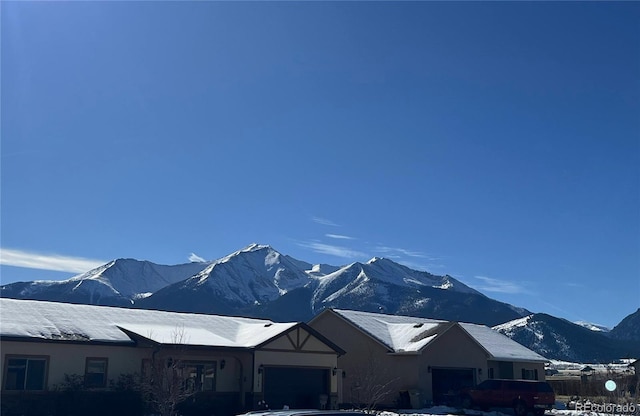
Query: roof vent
267, 325
418, 325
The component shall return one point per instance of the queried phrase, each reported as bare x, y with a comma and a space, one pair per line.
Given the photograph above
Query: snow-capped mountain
241, 282
259, 281
383, 285
559, 339
118, 283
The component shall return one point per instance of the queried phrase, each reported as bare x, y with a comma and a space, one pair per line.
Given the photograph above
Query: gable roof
407, 334
399, 334
51, 321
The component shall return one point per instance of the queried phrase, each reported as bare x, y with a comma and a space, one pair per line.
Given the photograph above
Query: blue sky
498, 142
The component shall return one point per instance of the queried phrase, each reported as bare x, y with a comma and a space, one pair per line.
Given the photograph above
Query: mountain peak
254, 247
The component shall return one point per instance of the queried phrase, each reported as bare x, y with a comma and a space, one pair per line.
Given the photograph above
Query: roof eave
520, 359
17, 338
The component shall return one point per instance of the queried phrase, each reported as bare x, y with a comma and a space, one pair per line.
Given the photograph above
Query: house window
95, 373
200, 375
25, 373
529, 374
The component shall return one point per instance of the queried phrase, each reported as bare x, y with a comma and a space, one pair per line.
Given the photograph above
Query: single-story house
241, 361
407, 361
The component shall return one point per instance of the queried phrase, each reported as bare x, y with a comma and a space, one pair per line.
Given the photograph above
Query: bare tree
371, 384
164, 380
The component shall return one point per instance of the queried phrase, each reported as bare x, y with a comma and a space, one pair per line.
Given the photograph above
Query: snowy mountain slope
252, 276
382, 285
559, 339
117, 283
628, 328
593, 327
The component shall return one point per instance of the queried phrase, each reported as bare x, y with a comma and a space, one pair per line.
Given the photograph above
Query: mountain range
258, 281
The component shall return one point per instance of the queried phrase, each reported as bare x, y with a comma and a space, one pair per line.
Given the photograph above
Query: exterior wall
494, 367
234, 377
535, 367
365, 361
452, 349
67, 358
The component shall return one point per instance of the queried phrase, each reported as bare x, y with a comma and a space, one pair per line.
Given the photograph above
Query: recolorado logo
610, 408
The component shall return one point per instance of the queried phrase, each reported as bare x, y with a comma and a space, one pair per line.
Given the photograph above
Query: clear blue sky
498, 142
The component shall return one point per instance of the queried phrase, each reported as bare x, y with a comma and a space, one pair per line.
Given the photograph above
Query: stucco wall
452, 349
366, 361
67, 358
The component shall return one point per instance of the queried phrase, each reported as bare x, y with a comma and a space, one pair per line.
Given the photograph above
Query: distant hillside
559, 339
628, 328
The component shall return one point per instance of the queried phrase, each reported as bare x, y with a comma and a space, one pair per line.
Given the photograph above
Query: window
25, 373
95, 373
200, 376
529, 374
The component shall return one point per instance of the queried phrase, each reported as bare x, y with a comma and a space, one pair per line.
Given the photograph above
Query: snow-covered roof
401, 334
500, 346
70, 322
407, 334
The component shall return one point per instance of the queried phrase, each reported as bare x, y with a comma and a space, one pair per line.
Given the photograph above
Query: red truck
520, 395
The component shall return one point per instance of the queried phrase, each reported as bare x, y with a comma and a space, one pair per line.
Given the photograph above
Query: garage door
298, 388
448, 382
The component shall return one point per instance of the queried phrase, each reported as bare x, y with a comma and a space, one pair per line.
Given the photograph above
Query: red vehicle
520, 395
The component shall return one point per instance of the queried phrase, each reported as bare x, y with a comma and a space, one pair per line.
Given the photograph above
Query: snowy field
445, 410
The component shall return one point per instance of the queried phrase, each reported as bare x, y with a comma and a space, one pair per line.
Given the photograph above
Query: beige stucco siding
452, 349
365, 359
66, 358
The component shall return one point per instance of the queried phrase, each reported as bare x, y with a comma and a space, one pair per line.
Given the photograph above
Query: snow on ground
452, 411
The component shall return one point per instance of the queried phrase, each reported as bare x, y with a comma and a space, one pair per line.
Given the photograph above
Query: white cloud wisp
339, 237
324, 221
499, 286
53, 262
332, 250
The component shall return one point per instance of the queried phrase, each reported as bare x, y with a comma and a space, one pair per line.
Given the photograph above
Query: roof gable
301, 338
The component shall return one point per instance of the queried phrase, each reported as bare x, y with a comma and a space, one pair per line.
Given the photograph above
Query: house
232, 360
418, 361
